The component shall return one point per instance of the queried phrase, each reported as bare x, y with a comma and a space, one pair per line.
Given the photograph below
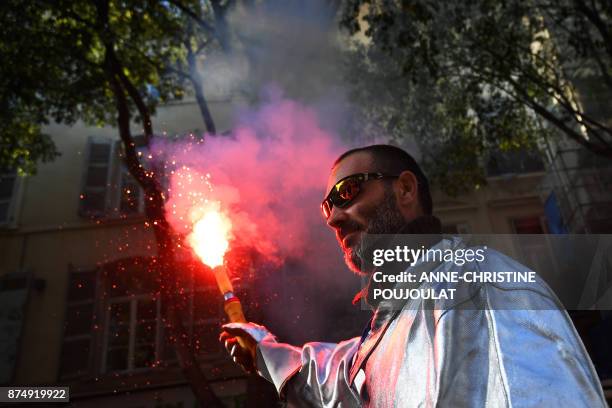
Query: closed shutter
96, 181
130, 197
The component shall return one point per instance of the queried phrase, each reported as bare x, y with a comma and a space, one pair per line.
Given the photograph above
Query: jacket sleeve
503, 356
313, 375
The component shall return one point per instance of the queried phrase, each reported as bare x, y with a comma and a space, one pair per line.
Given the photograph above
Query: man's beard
386, 220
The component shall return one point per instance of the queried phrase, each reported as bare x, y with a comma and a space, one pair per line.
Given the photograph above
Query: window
109, 191
97, 177
8, 187
133, 333
202, 320
207, 310
132, 329
128, 198
534, 250
130, 195
79, 323
528, 225
135, 336
514, 162
120, 299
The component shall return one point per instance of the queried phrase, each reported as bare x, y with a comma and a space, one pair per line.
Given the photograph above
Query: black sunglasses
346, 190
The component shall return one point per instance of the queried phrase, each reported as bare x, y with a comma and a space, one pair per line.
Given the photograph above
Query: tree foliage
204, 29
471, 77
104, 62
53, 65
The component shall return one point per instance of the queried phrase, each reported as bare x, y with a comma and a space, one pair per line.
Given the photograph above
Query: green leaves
23, 145
467, 78
53, 60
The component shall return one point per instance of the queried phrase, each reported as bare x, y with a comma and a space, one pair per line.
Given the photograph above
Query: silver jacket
520, 349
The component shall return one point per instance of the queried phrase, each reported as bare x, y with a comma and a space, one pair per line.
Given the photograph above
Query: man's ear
407, 189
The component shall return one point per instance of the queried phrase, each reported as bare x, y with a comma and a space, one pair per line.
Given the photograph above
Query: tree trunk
196, 81
221, 30
154, 209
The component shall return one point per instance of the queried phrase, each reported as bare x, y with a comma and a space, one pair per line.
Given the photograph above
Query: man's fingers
235, 350
229, 344
236, 331
224, 336
241, 357
240, 341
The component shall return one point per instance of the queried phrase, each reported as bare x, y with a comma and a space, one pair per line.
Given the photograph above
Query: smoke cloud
298, 47
271, 169
269, 175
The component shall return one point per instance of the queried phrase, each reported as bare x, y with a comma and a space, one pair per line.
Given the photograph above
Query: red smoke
269, 175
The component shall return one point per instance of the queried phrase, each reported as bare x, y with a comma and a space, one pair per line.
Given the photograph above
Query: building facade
78, 304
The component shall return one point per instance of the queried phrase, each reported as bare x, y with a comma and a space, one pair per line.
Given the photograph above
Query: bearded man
519, 349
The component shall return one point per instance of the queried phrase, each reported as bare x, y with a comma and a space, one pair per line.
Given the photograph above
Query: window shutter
129, 197
97, 173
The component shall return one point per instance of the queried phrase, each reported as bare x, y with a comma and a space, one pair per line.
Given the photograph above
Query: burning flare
211, 233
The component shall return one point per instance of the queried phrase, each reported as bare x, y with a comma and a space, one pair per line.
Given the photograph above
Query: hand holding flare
210, 240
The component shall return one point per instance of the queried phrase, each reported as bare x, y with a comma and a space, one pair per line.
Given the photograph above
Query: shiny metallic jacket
497, 345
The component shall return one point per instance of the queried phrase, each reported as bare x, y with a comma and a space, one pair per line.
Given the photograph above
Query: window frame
91, 335
122, 175
543, 254
210, 315
541, 220
194, 322
132, 300
117, 178
83, 211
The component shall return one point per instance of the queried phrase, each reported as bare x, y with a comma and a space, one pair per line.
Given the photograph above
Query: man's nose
337, 217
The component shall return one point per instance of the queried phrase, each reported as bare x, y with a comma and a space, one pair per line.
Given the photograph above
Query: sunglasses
346, 190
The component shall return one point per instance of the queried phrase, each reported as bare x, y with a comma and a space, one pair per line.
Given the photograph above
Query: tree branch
154, 207
203, 24
604, 150
196, 80
593, 17
221, 30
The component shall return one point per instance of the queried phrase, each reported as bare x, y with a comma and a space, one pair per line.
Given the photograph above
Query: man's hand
244, 352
